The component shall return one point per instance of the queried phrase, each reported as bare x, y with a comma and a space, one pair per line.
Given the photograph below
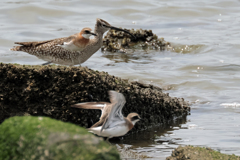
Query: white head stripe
86, 35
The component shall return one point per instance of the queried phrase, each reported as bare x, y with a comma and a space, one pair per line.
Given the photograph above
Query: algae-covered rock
39, 138
122, 42
51, 90
190, 152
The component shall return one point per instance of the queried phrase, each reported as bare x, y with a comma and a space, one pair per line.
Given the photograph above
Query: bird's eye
87, 31
104, 25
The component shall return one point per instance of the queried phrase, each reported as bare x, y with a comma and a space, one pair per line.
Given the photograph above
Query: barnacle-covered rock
51, 90
191, 152
144, 39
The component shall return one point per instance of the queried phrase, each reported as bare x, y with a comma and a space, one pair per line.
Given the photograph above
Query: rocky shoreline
50, 90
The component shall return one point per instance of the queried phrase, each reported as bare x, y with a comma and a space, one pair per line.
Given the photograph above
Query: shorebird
112, 123
72, 50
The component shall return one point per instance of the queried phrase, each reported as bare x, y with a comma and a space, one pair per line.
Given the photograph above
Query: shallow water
204, 68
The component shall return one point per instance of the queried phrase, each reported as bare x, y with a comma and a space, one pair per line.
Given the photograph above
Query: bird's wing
58, 41
115, 114
119, 100
90, 105
32, 44
95, 105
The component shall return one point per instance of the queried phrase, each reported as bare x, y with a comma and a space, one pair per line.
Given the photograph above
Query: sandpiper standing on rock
72, 50
111, 123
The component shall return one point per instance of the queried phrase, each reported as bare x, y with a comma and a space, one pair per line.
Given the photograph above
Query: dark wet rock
190, 152
119, 41
29, 137
50, 90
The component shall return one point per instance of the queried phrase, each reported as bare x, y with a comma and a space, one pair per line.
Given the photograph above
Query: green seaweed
30, 137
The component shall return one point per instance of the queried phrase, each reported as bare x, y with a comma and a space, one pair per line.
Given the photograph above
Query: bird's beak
93, 34
119, 29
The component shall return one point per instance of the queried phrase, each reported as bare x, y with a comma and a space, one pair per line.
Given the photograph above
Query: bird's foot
46, 63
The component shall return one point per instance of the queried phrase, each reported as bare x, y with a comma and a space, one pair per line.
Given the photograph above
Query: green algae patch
29, 137
191, 152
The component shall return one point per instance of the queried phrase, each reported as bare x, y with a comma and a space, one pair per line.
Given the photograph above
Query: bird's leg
107, 140
46, 63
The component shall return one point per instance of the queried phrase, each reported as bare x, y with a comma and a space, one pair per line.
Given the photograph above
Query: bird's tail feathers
16, 48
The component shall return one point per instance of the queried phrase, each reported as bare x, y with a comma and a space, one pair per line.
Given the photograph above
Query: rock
190, 152
51, 90
29, 137
119, 41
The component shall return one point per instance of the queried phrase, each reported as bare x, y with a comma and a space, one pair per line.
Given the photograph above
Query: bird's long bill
119, 29
93, 34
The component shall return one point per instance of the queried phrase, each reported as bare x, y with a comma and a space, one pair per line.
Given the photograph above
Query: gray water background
204, 70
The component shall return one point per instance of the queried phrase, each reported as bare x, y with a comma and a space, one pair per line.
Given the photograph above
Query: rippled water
204, 68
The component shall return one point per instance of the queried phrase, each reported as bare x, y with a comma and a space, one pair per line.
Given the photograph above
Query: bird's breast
81, 42
129, 124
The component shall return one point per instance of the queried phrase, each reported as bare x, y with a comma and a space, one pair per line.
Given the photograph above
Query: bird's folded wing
58, 41
33, 44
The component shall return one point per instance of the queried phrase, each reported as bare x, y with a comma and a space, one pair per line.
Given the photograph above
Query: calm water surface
204, 68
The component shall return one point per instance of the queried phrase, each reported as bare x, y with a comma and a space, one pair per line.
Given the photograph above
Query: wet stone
144, 39
191, 152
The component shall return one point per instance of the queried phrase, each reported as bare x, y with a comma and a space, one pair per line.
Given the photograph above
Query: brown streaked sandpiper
72, 50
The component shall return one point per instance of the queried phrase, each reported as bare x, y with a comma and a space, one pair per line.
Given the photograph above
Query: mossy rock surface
199, 153
29, 137
51, 90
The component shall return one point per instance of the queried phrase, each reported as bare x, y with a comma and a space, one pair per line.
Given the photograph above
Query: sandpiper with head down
112, 123
72, 50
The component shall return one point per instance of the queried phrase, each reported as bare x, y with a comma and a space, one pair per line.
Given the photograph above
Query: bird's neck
82, 40
99, 35
99, 32
129, 123
93, 46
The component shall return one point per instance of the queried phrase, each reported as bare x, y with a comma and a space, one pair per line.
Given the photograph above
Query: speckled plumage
52, 51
